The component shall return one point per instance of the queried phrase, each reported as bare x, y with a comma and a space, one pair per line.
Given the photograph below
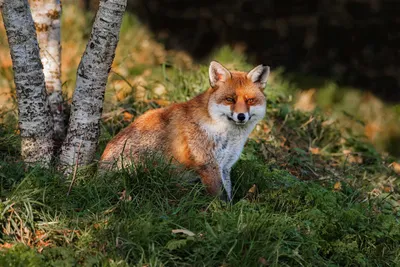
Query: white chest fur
229, 140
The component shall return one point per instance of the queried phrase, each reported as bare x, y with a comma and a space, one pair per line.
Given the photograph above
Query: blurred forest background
354, 42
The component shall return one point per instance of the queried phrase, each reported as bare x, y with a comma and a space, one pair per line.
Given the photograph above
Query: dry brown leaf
351, 157
371, 130
6, 245
253, 189
337, 186
387, 188
124, 197
252, 193
43, 244
375, 192
40, 234
315, 150
120, 96
355, 159
160, 102
306, 100
282, 144
183, 231
110, 210
346, 151
328, 122
128, 117
395, 166
159, 89
266, 129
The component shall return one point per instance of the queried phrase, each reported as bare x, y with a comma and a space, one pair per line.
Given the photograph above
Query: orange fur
178, 131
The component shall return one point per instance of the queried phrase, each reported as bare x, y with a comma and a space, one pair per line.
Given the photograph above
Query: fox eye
230, 99
250, 101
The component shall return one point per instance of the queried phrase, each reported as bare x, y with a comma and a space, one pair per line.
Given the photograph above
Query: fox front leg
226, 181
214, 178
211, 178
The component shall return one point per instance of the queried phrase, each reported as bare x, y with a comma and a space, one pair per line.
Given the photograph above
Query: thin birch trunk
35, 122
84, 125
46, 15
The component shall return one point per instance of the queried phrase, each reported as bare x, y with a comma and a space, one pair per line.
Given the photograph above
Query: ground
316, 185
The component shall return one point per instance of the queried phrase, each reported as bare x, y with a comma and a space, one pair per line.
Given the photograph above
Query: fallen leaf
160, 102
375, 192
328, 122
282, 144
252, 193
346, 151
159, 90
371, 130
41, 244
355, 159
124, 197
183, 231
337, 186
40, 234
314, 150
6, 245
387, 188
253, 189
306, 100
128, 116
352, 157
109, 211
395, 166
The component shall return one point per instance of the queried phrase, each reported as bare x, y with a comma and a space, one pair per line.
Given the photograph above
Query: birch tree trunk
46, 15
84, 125
35, 122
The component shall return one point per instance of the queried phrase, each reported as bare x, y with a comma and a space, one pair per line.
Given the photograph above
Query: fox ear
217, 73
259, 75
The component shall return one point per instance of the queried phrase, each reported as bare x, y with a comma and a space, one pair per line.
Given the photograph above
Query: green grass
324, 195
289, 222
295, 217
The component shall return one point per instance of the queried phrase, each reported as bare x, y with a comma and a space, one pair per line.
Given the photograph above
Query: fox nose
241, 116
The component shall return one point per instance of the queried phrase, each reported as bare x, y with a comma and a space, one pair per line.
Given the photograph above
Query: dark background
354, 42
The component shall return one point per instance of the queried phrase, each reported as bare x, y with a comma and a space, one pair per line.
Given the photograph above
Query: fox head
237, 96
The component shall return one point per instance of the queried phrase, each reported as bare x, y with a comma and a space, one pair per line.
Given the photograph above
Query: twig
307, 122
123, 78
75, 169
108, 116
344, 164
283, 123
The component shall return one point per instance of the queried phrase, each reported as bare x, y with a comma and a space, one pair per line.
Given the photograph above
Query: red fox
206, 133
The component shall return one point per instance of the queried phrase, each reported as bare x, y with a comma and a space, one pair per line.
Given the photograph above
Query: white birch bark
35, 122
46, 15
84, 125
